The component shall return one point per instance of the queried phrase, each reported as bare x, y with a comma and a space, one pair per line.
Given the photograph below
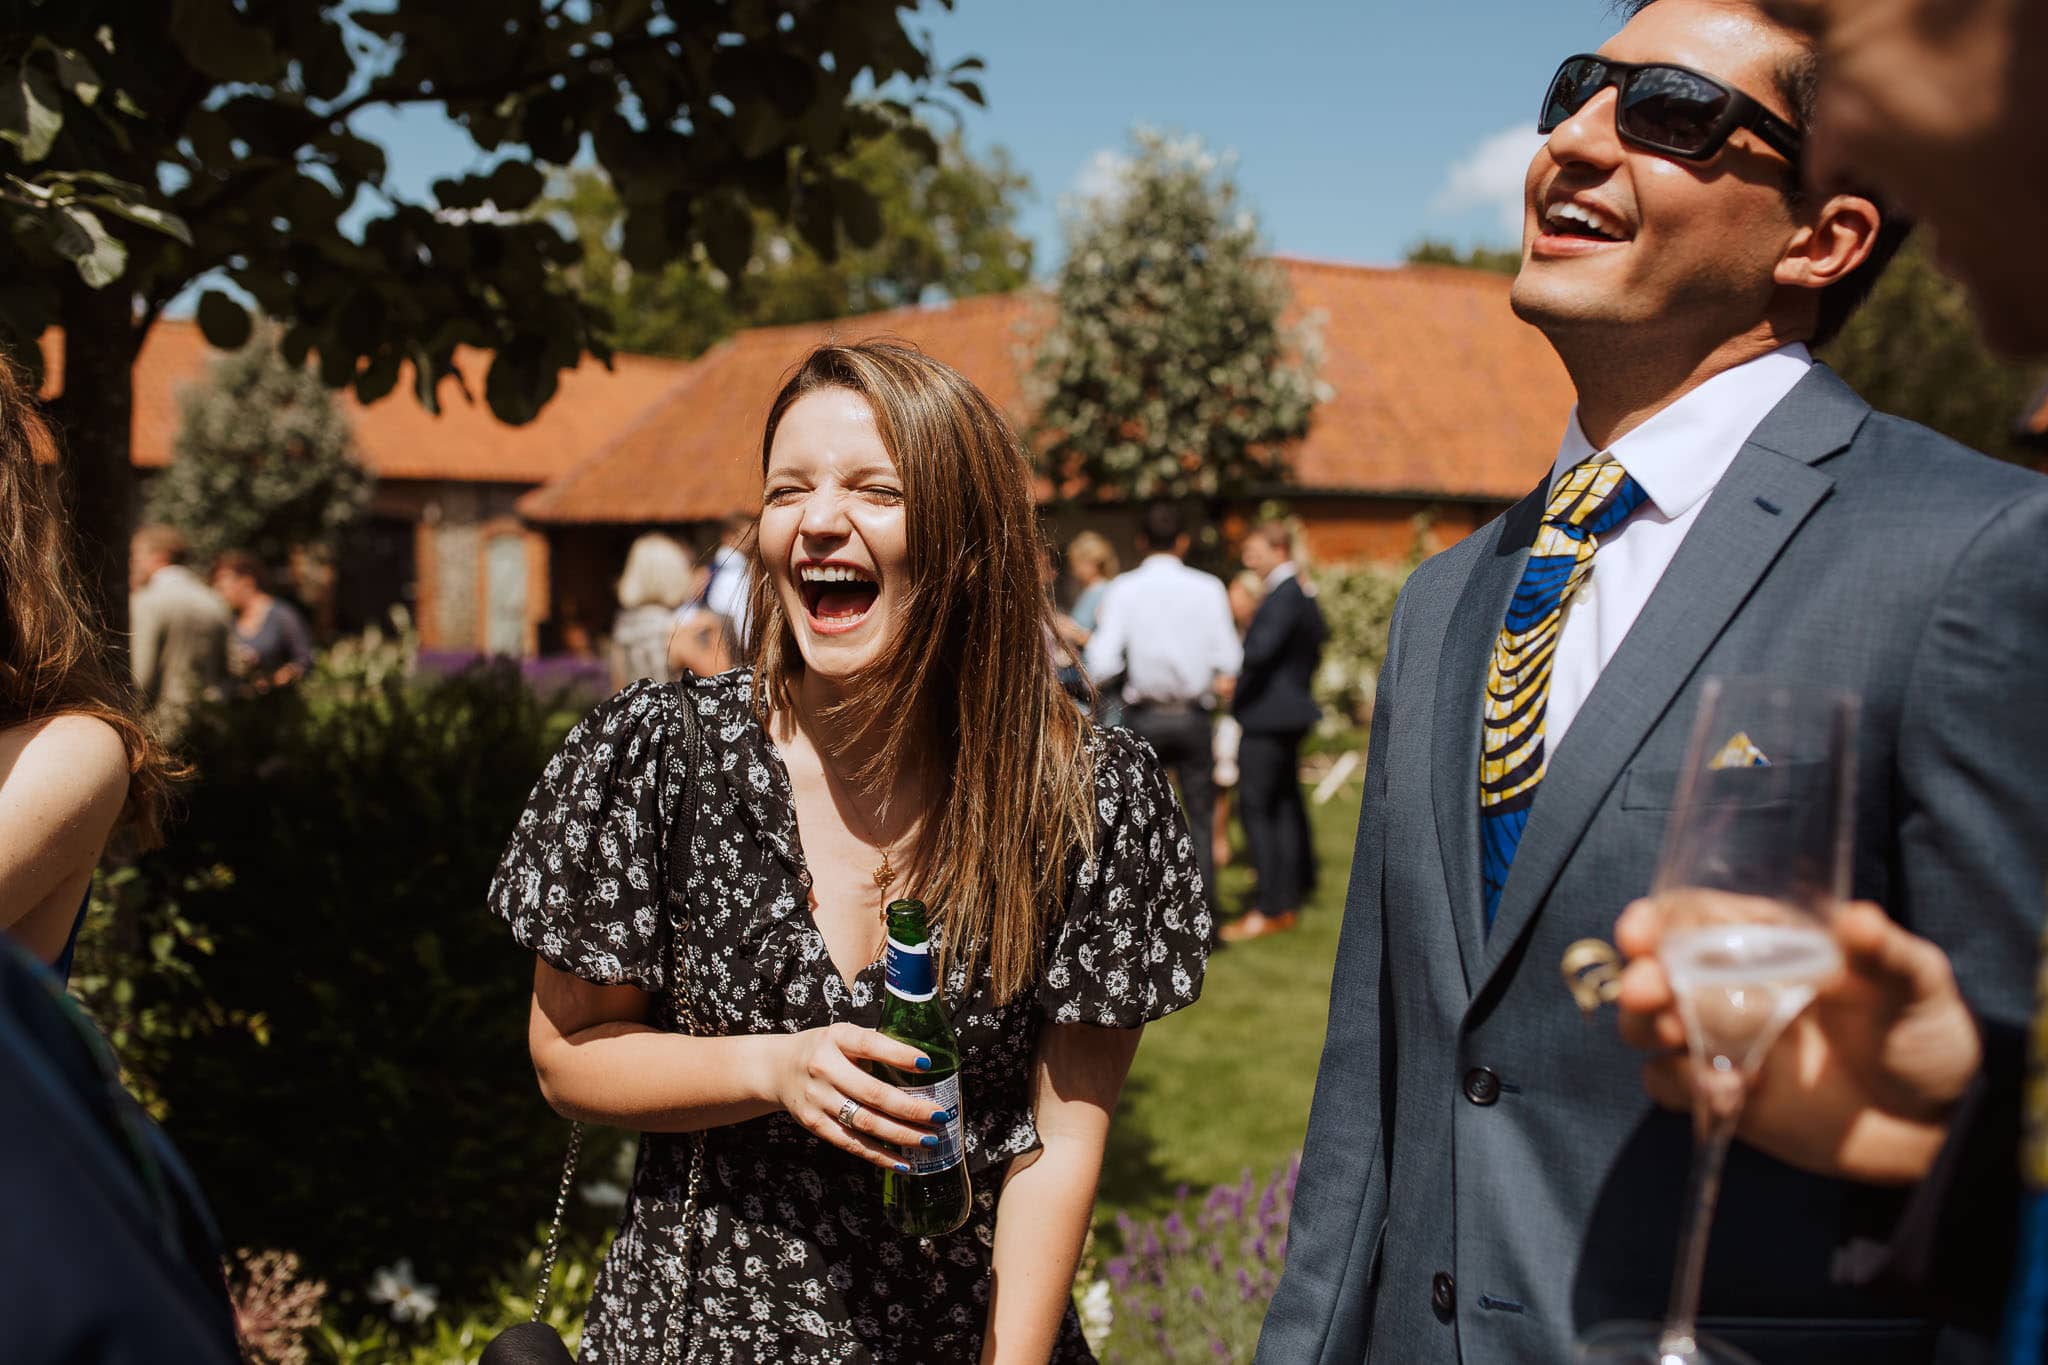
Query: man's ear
1831, 243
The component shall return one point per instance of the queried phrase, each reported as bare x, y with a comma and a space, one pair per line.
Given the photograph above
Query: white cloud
1490, 176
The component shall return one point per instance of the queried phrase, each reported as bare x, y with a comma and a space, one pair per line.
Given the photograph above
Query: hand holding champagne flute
1754, 866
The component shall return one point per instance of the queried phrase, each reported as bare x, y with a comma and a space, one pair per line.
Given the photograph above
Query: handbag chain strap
686, 1022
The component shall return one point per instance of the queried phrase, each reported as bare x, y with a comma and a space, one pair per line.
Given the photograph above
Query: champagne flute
1754, 865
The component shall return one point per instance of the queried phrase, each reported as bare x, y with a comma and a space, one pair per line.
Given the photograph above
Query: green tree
1167, 373
1913, 349
948, 228
1499, 260
265, 460
233, 117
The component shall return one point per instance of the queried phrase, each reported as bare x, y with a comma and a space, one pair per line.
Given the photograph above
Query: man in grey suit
1485, 1178
178, 648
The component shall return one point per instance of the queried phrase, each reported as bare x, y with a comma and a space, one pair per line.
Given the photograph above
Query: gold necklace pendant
885, 874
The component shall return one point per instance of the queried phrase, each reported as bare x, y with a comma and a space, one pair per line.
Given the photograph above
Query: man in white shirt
1165, 639
178, 649
1485, 1178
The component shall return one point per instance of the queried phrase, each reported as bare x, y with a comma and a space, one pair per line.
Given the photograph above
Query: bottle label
908, 971
952, 1147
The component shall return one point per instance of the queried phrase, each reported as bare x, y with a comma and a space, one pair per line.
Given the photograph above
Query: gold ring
1592, 973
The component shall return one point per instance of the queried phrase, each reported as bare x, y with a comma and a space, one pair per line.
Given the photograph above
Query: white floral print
793, 1261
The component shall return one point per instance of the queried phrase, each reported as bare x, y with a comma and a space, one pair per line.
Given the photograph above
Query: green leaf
222, 321
971, 90
728, 234
31, 113
76, 74
215, 38
170, 224
84, 241
859, 213
378, 378
515, 184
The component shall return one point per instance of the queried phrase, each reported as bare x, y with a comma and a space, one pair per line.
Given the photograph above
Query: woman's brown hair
53, 659
969, 672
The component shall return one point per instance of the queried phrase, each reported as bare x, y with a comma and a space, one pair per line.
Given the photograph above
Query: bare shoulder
74, 764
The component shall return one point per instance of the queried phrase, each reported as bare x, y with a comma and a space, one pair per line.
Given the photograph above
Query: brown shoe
1251, 925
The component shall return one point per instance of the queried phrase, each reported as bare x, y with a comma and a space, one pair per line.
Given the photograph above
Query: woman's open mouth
837, 596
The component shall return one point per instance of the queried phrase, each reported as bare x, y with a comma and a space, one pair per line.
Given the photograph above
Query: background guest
271, 646
1092, 561
1164, 633
730, 589
179, 646
701, 642
75, 758
1245, 590
655, 583
1276, 706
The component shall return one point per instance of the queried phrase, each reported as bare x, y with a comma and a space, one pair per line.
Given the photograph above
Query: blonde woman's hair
657, 574
969, 676
1092, 547
1252, 582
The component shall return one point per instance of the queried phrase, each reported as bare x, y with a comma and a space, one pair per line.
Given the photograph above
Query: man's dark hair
1798, 85
1160, 527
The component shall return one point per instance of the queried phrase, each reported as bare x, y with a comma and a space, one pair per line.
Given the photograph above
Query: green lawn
1225, 1084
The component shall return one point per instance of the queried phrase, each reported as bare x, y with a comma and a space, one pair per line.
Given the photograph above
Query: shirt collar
1280, 574
1682, 452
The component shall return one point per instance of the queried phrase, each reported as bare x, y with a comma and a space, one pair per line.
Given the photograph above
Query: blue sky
1359, 126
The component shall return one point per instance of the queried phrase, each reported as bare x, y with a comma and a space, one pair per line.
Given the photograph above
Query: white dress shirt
1167, 629
729, 592
1677, 456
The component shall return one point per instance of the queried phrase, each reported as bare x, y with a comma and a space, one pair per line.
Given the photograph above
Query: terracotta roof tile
399, 439
1439, 390
695, 456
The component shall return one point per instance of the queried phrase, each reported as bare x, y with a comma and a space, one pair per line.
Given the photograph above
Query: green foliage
1914, 350
457, 1336
1500, 261
137, 973
1167, 373
388, 1107
265, 460
946, 227
1357, 602
161, 144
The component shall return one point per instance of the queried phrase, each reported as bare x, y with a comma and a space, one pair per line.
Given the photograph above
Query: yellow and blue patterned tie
1589, 501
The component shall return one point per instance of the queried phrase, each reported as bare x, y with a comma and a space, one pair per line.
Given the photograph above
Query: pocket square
1740, 752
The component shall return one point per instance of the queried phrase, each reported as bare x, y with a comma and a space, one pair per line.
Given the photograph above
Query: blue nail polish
929, 1140
942, 1116
924, 1064
902, 1168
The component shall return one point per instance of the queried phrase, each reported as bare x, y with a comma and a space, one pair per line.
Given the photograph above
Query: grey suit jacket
1484, 1177
179, 645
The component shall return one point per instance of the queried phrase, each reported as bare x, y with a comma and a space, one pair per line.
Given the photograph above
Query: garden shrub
1357, 602
1194, 1285
339, 1036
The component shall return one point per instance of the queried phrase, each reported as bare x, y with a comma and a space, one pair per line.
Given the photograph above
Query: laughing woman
900, 733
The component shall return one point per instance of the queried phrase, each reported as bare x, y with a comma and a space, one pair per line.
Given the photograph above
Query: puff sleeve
581, 881
1134, 942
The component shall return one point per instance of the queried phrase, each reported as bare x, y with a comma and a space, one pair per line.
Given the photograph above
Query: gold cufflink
1592, 973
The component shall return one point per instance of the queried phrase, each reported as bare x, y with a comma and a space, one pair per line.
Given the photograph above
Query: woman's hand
821, 1071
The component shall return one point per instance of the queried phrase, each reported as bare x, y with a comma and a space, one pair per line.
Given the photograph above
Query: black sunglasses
1672, 110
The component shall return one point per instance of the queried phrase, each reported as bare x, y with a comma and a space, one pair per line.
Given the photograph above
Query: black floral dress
794, 1263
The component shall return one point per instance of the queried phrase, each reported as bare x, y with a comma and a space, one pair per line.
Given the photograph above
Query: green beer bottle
933, 1197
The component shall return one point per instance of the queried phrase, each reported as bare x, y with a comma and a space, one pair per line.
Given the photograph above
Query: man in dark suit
1485, 1178
1276, 709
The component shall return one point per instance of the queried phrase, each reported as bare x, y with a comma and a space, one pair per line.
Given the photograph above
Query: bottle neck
907, 961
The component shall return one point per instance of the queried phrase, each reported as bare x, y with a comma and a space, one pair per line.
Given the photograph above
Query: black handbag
535, 1342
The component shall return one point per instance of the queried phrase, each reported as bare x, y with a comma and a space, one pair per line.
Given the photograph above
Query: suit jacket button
1443, 1295
1482, 1087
